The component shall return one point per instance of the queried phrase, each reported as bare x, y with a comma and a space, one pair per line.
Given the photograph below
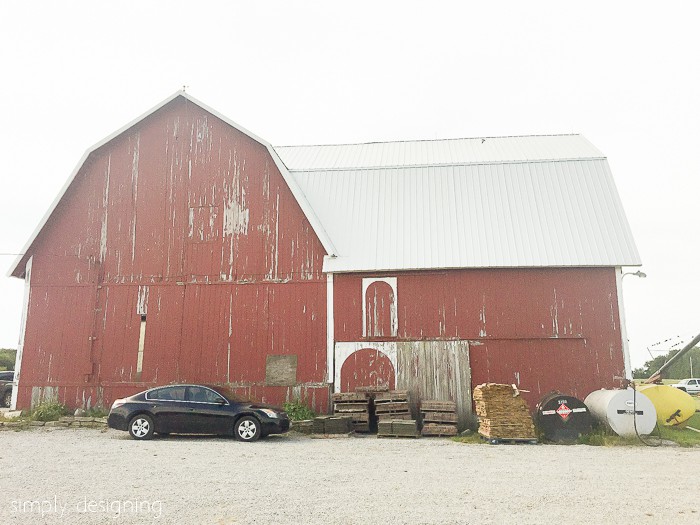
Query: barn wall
542, 329
187, 221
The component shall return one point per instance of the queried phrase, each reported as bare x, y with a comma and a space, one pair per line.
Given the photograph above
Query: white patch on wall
142, 301
236, 216
393, 307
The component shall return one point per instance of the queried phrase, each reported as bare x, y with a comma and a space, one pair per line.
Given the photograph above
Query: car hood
255, 406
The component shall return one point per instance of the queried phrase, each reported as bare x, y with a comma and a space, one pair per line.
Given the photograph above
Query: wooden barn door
438, 370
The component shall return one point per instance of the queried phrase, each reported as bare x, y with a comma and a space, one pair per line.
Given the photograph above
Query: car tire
141, 427
247, 428
7, 399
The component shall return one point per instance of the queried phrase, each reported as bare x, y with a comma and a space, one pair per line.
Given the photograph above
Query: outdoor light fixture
638, 273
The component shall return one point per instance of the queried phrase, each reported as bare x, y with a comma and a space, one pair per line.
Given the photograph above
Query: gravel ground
92, 476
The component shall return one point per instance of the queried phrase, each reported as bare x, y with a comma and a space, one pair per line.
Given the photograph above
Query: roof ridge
428, 140
447, 164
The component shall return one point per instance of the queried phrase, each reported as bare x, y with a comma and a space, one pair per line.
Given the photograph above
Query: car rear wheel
247, 429
141, 427
7, 399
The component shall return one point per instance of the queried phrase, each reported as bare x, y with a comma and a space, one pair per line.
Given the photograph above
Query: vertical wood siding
197, 211
542, 329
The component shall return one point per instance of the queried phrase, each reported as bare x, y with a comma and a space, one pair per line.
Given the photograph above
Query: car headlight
269, 413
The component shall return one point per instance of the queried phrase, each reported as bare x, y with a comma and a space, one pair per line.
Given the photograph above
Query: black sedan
195, 409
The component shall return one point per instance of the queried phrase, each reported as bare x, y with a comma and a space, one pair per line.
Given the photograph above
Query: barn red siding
543, 329
197, 211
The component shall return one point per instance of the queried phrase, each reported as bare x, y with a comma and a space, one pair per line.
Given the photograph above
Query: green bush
298, 411
49, 411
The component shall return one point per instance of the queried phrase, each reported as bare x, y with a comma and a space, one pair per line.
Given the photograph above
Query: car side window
171, 393
202, 395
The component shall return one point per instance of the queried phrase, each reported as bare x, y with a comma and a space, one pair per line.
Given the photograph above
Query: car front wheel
247, 429
141, 427
7, 399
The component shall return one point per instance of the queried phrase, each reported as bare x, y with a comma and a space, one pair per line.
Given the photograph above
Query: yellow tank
673, 407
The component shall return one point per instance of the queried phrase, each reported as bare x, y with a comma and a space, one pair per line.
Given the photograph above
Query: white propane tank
616, 409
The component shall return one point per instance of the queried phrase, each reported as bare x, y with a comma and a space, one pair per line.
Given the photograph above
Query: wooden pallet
332, 425
390, 406
509, 441
438, 406
394, 415
393, 395
397, 428
439, 417
349, 396
351, 406
439, 430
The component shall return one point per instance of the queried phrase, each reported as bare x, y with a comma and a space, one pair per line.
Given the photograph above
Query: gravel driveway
92, 476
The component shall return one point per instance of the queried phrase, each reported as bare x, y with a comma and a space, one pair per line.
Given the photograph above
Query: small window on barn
379, 307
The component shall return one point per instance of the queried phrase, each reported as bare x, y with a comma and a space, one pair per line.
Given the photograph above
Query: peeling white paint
554, 312
105, 212
236, 216
134, 189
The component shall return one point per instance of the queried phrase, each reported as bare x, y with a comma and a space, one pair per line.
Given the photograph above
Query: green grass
683, 436
471, 439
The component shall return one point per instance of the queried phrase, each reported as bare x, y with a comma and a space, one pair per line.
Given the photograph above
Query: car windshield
229, 394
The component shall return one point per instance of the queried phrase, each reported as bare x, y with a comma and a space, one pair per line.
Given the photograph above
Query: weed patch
49, 412
298, 411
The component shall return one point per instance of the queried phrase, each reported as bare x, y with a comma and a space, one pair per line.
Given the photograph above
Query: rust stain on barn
181, 252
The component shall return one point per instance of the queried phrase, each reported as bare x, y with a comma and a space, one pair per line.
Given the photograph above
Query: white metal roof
460, 203
437, 152
465, 203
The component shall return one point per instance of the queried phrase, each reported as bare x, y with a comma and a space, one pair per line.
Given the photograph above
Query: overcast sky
624, 74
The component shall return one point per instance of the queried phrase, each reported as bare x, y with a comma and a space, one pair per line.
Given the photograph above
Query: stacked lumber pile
397, 428
439, 418
354, 405
392, 405
503, 414
332, 425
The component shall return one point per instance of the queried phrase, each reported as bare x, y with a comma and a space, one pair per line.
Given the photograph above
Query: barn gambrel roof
531, 201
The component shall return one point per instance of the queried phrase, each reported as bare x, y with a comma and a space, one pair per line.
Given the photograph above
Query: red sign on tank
564, 411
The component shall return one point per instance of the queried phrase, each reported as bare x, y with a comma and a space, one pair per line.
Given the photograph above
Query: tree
679, 370
7, 359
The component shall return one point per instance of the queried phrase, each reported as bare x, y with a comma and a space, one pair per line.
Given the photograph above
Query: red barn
186, 249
